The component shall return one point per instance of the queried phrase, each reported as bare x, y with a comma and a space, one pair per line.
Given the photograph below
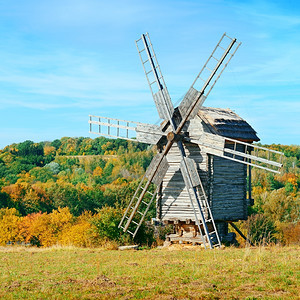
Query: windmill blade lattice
207, 78
263, 158
126, 130
154, 77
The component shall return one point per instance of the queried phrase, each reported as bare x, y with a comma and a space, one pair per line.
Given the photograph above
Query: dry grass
173, 273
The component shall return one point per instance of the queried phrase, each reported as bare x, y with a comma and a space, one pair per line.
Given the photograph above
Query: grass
173, 273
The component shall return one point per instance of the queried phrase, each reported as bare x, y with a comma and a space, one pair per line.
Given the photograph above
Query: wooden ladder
202, 213
137, 208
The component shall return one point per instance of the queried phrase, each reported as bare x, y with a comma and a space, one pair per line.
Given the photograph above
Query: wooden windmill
200, 171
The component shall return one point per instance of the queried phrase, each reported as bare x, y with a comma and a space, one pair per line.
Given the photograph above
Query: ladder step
135, 222
211, 233
145, 61
214, 58
140, 213
152, 71
142, 50
145, 202
228, 37
222, 47
150, 193
130, 232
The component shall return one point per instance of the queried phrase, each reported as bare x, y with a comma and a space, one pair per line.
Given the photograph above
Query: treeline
40, 177
90, 181
69, 191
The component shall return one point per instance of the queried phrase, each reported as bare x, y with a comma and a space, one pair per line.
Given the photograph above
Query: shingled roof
227, 123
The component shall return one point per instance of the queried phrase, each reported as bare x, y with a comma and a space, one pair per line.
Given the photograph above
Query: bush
261, 230
76, 235
105, 225
289, 233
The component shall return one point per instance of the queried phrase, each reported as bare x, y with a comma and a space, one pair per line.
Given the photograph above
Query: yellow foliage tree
44, 229
49, 150
59, 218
78, 234
98, 171
9, 225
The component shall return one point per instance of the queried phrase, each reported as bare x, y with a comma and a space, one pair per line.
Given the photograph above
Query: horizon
88, 137
64, 60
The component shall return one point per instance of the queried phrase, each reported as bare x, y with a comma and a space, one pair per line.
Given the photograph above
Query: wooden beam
240, 233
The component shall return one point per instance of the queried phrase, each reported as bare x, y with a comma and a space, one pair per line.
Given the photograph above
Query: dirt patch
100, 281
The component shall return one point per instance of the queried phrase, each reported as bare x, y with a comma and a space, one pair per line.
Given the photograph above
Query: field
173, 273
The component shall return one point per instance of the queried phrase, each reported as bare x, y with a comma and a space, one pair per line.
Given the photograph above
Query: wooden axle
172, 137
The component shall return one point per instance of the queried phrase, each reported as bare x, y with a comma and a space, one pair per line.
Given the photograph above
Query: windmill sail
245, 153
154, 77
127, 130
213, 68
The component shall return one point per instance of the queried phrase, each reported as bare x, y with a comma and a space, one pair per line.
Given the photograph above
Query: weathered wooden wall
228, 189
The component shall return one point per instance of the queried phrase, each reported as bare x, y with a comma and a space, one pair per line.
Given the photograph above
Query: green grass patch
181, 273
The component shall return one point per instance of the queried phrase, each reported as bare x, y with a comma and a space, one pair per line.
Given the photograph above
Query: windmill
190, 145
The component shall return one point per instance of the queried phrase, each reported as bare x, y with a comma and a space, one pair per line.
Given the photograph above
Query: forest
72, 191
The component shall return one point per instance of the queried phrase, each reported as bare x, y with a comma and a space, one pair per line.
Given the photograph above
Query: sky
62, 60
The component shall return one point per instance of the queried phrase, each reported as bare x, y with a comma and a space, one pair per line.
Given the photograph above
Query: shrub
261, 230
289, 233
105, 225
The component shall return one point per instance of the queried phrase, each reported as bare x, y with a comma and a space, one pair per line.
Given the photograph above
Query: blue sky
63, 60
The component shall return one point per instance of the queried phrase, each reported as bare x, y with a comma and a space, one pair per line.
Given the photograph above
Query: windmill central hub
172, 137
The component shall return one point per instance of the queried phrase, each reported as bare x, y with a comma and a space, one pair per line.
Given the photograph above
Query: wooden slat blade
149, 134
154, 77
189, 99
192, 171
163, 104
157, 169
213, 68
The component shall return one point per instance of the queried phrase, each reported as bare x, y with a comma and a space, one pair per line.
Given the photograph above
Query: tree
54, 167
56, 144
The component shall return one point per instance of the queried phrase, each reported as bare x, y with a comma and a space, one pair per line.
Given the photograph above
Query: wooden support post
240, 233
250, 185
